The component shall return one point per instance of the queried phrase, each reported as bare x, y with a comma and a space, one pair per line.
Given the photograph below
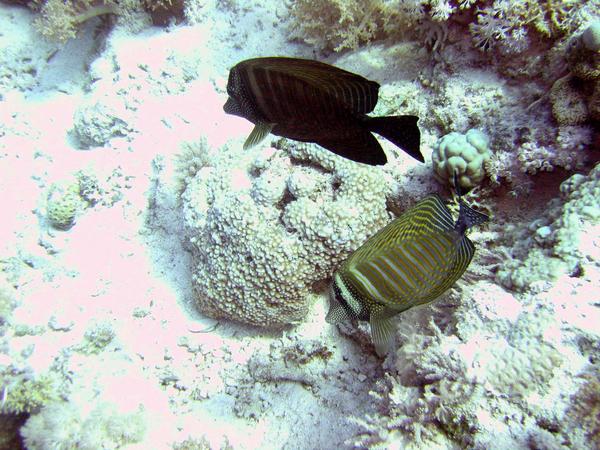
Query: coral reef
19, 65
24, 393
507, 28
508, 358
97, 337
471, 379
484, 382
339, 24
561, 241
583, 58
8, 302
569, 103
583, 53
110, 112
70, 425
264, 228
99, 120
102, 185
584, 412
93, 413
59, 20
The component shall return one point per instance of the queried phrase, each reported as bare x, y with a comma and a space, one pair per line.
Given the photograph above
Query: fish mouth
231, 106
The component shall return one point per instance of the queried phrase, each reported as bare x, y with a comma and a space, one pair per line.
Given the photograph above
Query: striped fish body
410, 262
311, 101
289, 90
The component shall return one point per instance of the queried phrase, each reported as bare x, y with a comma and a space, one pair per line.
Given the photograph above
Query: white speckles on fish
311, 101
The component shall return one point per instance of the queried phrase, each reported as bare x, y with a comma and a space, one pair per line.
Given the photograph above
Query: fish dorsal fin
258, 133
353, 91
430, 215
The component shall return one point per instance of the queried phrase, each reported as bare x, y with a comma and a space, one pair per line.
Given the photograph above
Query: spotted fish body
311, 101
410, 262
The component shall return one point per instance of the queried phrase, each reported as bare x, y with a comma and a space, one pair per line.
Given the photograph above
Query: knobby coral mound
462, 154
263, 228
64, 204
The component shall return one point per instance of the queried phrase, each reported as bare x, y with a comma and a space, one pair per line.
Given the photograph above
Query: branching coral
59, 20
432, 397
348, 23
340, 24
493, 385
23, 392
510, 27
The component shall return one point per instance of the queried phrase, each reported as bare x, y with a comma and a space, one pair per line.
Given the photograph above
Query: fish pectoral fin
382, 329
259, 132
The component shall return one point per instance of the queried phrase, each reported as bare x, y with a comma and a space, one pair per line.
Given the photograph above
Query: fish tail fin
468, 217
401, 130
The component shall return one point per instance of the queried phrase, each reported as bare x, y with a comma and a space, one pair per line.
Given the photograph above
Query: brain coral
264, 228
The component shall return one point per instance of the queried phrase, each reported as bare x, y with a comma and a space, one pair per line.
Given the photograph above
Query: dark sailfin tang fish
311, 101
410, 262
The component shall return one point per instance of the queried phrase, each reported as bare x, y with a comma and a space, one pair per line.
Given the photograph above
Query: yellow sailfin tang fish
410, 262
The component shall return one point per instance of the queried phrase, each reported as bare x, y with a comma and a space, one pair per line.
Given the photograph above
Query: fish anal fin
360, 146
382, 329
258, 133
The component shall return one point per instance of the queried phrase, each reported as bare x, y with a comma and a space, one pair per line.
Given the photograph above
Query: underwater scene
312, 224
